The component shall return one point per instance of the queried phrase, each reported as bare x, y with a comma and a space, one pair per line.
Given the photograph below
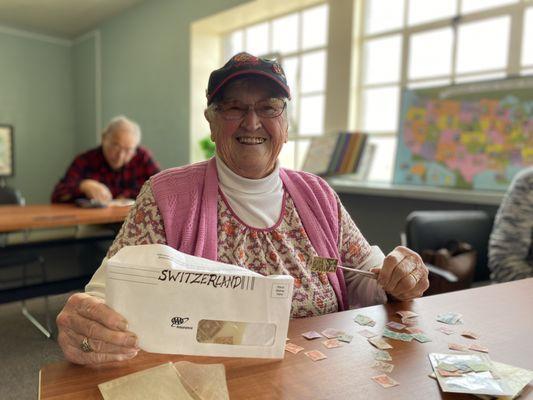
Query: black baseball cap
246, 64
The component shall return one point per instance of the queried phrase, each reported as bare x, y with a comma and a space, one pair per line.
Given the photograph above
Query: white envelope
180, 304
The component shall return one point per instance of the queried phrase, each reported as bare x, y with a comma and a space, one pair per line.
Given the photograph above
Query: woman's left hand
403, 274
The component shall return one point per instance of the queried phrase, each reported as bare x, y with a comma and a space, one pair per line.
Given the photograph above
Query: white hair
120, 121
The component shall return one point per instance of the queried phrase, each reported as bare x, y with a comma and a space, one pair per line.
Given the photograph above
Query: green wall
36, 98
49, 90
84, 71
145, 71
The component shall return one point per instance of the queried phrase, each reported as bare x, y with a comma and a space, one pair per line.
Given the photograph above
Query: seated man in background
116, 169
511, 241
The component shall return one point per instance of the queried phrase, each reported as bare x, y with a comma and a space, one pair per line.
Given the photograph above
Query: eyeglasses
120, 149
235, 110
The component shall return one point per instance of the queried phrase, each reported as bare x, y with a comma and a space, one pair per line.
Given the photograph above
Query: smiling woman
242, 208
249, 127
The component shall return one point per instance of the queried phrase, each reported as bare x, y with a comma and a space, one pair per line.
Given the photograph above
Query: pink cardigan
187, 200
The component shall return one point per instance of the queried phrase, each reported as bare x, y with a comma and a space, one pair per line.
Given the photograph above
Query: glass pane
290, 66
383, 15
313, 72
481, 77
233, 44
292, 112
380, 109
427, 84
527, 43
527, 71
315, 27
476, 5
285, 34
382, 60
311, 121
425, 11
257, 39
286, 157
383, 159
483, 45
430, 53
302, 147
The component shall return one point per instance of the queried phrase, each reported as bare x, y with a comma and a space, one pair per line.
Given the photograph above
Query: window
489, 53
300, 41
420, 43
527, 44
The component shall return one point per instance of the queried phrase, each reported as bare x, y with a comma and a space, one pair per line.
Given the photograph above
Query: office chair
433, 230
19, 257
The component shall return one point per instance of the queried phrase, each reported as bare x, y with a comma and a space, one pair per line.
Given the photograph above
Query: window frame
516, 13
293, 134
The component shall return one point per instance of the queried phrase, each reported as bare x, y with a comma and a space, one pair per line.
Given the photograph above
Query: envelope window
236, 333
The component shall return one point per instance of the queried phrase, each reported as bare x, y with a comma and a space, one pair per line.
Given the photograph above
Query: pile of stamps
448, 368
382, 358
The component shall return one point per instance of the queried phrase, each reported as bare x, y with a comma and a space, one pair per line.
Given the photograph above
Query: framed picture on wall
6, 150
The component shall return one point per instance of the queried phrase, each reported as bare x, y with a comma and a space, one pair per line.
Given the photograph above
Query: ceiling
65, 19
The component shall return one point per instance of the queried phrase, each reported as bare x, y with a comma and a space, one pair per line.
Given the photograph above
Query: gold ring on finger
85, 346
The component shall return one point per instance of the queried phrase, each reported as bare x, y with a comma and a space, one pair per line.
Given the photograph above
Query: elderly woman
241, 208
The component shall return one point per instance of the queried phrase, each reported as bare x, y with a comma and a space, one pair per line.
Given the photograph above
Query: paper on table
469, 382
161, 382
517, 378
205, 381
121, 202
181, 304
181, 380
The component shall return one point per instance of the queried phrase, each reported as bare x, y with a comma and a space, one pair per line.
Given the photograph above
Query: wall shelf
350, 186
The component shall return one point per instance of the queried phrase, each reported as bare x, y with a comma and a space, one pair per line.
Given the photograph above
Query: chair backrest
434, 229
8, 195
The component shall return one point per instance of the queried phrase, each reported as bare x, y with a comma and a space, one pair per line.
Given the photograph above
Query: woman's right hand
106, 332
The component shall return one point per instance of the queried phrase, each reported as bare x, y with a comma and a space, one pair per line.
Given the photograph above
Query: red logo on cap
243, 58
277, 69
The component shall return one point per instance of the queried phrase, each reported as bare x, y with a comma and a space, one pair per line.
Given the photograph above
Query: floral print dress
283, 248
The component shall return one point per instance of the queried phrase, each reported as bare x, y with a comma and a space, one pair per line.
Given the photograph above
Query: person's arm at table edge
68, 188
511, 238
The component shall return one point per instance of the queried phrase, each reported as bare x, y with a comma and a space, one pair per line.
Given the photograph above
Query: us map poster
472, 136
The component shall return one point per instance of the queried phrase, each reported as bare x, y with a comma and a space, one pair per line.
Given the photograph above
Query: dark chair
433, 230
11, 257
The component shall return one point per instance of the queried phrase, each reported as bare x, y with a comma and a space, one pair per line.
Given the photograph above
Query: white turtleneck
257, 202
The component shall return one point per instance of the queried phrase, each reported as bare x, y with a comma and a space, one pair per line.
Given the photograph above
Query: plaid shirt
125, 182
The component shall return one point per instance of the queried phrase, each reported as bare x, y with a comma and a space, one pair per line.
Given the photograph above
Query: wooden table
14, 218
61, 277
500, 314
